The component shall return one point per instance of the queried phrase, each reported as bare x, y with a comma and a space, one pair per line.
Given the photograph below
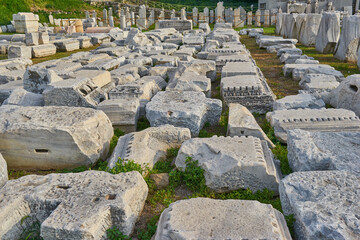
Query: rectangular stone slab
238, 68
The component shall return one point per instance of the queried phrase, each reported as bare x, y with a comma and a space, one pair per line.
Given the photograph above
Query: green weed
115, 234
150, 229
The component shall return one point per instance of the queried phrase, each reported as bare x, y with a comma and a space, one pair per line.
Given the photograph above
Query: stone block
222, 60
249, 90
324, 120
148, 146
43, 38
165, 60
201, 67
298, 70
84, 89
32, 39
317, 151
106, 64
43, 50
329, 32
21, 97
26, 22
347, 94
179, 25
204, 218
53, 137
190, 81
293, 51
11, 75
67, 45
3, 172
325, 204
123, 113
85, 42
37, 79
232, 163
298, 101
309, 29
19, 52
276, 48
313, 81
242, 123
183, 109
232, 69
73, 205
267, 42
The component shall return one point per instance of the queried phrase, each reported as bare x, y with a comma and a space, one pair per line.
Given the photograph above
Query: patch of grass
142, 124
115, 234
150, 229
345, 68
290, 220
122, 166
30, 229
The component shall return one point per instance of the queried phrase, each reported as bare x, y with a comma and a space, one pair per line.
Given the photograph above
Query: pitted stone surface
242, 123
37, 79
315, 151
73, 205
3, 171
24, 98
325, 120
329, 32
238, 68
325, 204
347, 94
232, 163
204, 218
187, 109
148, 146
53, 137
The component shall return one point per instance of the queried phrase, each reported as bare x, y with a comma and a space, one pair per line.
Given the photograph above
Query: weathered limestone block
26, 22
324, 120
11, 75
276, 48
250, 91
267, 42
325, 204
232, 69
316, 151
314, 81
43, 50
19, 52
298, 101
347, 94
222, 60
37, 79
106, 64
347, 47
329, 32
201, 67
67, 45
279, 23
180, 25
137, 39
232, 163
309, 29
81, 91
3, 171
73, 205
32, 39
53, 137
306, 61
293, 51
183, 109
123, 113
291, 25
165, 60
148, 146
44, 38
191, 81
21, 97
85, 42
287, 58
205, 218
242, 123
299, 70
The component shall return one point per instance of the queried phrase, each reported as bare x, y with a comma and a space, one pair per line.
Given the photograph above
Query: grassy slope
42, 7
212, 3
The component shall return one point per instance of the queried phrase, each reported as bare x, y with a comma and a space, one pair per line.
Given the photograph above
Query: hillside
41, 7
210, 3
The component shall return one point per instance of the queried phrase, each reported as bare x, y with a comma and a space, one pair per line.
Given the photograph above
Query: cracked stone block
32, 39
86, 88
7, 88
222, 60
329, 32
276, 48
324, 120
11, 75
190, 81
67, 45
298, 101
299, 70
62, 68
248, 90
232, 163
267, 42
43, 50
37, 79
85, 42
347, 94
106, 64
123, 113
205, 218
292, 51
3, 172
316, 151
187, 109
325, 204
148, 146
242, 123
73, 205
53, 137
165, 60
19, 52
201, 67
21, 97
238, 68
136, 38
